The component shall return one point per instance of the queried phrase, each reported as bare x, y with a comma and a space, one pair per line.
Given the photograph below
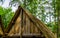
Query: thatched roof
40, 25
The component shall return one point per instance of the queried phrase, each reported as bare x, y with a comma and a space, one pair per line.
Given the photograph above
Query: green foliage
52, 26
6, 14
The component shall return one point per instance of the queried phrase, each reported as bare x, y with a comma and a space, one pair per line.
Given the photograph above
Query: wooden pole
2, 25
21, 23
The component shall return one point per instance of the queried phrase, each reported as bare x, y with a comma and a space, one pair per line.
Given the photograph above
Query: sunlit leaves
7, 15
1, 10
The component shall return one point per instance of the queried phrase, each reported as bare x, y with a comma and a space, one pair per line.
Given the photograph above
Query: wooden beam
1, 25
24, 22
7, 30
26, 36
21, 23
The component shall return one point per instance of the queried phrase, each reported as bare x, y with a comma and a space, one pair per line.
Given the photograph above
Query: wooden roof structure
24, 22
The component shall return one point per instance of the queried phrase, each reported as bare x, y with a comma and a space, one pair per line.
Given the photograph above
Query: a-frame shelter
24, 24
